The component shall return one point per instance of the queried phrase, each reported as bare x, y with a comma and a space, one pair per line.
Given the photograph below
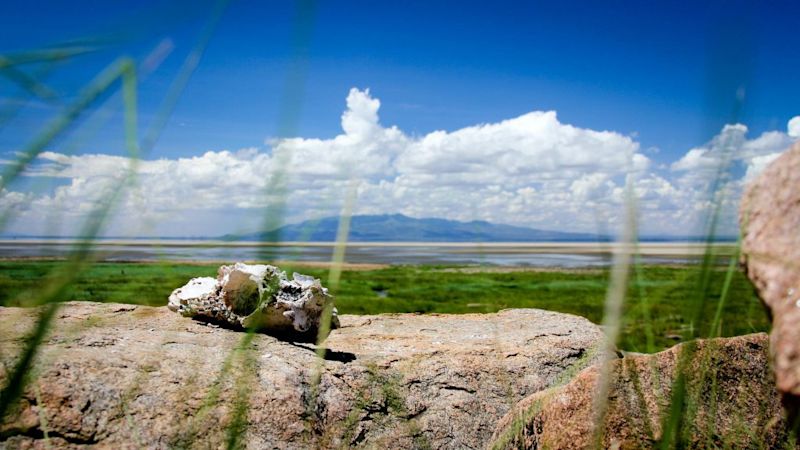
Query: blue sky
665, 75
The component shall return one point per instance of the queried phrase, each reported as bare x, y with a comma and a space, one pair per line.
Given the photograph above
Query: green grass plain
659, 300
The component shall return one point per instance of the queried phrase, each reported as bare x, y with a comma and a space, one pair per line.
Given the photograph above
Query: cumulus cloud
526, 149
732, 147
531, 170
366, 148
758, 164
794, 127
710, 176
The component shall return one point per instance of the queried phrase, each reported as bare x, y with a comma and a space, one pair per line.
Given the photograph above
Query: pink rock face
111, 376
770, 220
741, 410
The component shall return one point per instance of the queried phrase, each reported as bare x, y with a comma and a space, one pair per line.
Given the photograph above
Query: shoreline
374, 254
655, 248
279, 263
457, 268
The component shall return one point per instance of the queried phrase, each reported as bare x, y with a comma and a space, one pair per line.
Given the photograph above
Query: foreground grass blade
179, 83
15, 105
44, 55
96, 88
337, 261
30, 84
612, 315
673, 421
292, 95
49, 296
17, 381
334, 277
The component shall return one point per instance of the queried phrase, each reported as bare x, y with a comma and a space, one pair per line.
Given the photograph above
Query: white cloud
733, 158
366, 149
793, 127
694, 159
758, 164
724, 145
526, 149
731, 147
529, 170
591, 186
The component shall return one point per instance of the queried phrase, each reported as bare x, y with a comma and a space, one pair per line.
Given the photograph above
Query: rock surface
259, 297
770, 220
732, 402
123, 376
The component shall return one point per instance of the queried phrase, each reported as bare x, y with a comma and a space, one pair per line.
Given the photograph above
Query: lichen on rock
257, 296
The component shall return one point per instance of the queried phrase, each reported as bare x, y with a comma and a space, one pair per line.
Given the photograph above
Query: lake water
500, 254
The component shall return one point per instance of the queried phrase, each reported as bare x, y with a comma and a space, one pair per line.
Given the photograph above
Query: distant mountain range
400, 228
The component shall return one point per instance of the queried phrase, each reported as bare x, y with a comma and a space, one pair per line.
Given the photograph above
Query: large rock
731, 402
258, 297
770, 221
123, 376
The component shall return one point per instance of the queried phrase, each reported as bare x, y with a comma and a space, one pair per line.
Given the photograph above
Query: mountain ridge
401, 228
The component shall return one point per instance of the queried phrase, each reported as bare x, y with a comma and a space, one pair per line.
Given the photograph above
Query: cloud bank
532, 170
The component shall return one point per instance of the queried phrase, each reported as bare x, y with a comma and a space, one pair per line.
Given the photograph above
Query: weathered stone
257, 296
123, 376
770, 221
731, 402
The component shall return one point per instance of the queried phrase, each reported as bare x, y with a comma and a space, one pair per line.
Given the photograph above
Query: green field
661, 304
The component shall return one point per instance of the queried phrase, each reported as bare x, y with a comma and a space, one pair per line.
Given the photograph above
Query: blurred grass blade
16, 104
180, 81
44, 55
29, 84
15, 383
241, 400
612, 315
289, 114
644, 302
101, 116
334, 276
673, 421
60, 279
337, 261
716, 324
92, 92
